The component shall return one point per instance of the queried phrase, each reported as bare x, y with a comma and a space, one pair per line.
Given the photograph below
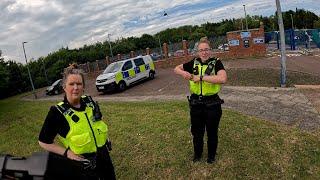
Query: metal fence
295, 39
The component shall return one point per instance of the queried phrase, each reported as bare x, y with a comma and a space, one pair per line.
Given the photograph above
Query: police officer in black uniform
205, 74
84, 151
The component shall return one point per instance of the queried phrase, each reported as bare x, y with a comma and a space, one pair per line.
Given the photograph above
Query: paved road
284, 105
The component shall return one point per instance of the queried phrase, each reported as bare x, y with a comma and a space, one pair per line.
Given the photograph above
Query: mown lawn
152, 140
267, 77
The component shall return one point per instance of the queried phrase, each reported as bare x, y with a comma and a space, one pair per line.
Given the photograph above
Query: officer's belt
204, 100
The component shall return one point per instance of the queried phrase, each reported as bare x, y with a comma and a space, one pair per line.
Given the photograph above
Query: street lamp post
292, 22
245, 14
25, 56
110, 45
283, 46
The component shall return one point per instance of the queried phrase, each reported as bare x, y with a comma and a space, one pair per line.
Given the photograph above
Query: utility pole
245, 14
283, 46
110, 45
25, 56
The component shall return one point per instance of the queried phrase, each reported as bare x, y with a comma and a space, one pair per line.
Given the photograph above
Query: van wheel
151, 75
122, 86
56, 92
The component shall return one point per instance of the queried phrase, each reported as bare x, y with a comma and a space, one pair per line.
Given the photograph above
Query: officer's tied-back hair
204, 40
72, 69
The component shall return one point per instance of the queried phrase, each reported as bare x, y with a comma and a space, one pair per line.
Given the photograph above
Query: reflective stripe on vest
83, 133
204, 88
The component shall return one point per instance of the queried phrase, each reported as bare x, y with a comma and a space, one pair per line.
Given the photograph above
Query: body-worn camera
97, 112
195, 71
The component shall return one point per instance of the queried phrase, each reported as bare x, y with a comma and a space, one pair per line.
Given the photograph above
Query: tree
4, 78
145, 41
316, 24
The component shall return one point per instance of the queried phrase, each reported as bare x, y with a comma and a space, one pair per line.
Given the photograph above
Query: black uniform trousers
205, 117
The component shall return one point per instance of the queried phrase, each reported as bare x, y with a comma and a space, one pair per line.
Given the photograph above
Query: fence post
165, 50
147, 51
107, 60
132, 54
88, 66
185, 47
97, 64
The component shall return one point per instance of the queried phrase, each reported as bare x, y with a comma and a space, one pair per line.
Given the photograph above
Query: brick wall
255, 48
172, 61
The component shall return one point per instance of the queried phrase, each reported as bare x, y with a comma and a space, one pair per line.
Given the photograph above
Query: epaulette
197, 61
64, 108
88, 101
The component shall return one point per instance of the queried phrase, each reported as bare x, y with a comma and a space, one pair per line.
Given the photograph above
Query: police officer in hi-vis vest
83, 135
205, 74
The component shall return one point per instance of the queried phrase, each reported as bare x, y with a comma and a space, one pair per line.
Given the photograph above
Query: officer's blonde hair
72, 69
204, 40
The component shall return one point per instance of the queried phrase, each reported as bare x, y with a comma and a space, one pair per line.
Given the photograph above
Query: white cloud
51, 24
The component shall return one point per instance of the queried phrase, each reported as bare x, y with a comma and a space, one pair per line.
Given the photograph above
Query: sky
48, 25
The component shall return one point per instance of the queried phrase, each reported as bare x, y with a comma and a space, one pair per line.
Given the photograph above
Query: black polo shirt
189, 66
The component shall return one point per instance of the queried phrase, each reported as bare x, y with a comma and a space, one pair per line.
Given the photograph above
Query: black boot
196, 158
210, 160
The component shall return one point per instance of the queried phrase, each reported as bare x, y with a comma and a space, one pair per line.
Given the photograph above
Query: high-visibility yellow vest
204, 88
85, 134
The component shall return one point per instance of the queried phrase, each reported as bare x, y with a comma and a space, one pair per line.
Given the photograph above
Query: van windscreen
112, 68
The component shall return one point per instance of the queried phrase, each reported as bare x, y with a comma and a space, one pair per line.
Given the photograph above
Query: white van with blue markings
121, 74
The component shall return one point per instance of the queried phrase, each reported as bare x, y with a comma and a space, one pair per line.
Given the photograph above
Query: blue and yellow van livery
121, 74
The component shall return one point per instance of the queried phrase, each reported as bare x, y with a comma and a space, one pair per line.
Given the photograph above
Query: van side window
127, 65
138, 61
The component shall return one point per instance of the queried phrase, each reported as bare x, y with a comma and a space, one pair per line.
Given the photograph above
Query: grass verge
268, 78
152, 140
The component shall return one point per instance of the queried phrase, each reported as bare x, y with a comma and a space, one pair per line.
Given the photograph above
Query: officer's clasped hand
187, 76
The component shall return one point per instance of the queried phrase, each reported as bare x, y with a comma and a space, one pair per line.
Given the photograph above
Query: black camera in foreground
42, 165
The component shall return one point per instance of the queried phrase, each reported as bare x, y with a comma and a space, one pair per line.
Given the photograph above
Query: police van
121, 74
